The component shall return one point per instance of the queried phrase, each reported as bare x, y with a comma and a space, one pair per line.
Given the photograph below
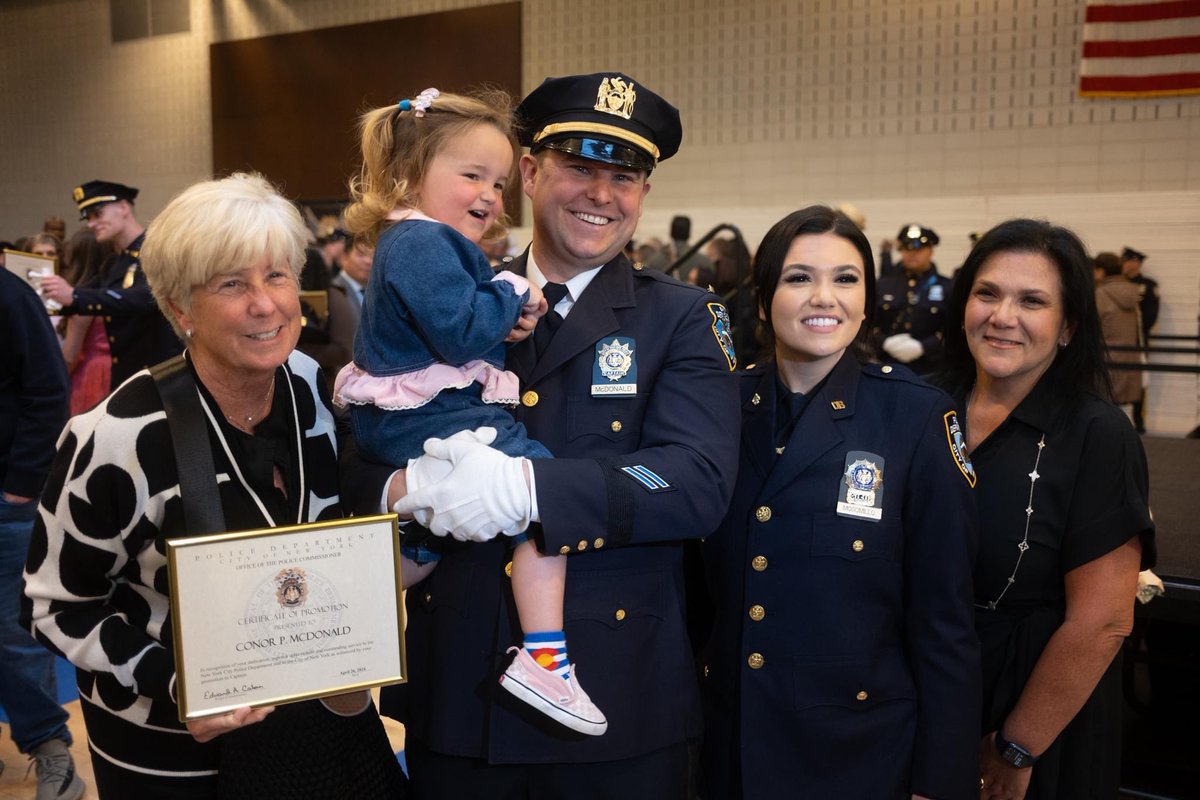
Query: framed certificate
31, 268
285, 614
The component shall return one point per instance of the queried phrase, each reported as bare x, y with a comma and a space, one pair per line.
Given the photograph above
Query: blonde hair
216, 227
398, 146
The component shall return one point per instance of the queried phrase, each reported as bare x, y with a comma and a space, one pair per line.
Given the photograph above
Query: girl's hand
528, 319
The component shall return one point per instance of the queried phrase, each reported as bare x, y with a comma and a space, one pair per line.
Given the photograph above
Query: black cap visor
599, 150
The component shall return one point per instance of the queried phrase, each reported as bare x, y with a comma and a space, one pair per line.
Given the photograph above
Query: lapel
758, 426
817, 432
592, 317
352, 294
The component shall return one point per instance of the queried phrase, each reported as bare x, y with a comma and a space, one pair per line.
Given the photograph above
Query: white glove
485, 493
903, 347
427, 470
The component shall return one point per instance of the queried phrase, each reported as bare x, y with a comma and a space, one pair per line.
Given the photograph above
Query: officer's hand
55, 288
426, 470
903, 347
485, 494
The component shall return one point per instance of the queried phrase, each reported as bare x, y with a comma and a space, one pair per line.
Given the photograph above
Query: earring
188, 333
1062, 345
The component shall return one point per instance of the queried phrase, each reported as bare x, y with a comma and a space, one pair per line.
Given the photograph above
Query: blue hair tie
405, 105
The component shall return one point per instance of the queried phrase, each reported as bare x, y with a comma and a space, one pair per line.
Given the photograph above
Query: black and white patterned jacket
96, 588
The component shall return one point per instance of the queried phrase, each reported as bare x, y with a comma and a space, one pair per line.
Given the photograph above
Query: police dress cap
914, 237
1129, 253
606, 116
97, 193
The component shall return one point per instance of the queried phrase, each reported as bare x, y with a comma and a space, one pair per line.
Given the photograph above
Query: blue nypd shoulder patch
722, 329
958, 447
649, 479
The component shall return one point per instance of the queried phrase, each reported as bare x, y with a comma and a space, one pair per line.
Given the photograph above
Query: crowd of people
895, 557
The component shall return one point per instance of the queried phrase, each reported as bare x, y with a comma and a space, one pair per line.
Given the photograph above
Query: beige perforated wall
952, 113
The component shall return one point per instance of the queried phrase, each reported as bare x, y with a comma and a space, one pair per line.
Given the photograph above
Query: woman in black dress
1064, 522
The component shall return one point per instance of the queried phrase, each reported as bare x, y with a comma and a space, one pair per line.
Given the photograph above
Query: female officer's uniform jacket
633, 478
843, 661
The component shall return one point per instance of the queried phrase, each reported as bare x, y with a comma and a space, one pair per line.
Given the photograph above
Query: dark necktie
550, 323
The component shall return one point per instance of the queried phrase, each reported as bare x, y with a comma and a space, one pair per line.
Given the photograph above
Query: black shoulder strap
193, 453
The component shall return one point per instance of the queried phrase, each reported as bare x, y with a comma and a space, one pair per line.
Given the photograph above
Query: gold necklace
247, 423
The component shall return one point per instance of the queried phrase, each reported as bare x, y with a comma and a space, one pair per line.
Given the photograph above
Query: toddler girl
429, 353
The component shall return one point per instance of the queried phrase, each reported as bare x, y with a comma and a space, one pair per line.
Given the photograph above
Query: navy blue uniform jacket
844, 662
138, 334
914, 305
624, 606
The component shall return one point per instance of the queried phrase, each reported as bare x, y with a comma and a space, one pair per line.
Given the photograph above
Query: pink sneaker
563, 701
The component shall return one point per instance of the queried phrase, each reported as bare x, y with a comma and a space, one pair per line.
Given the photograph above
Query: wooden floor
16, 785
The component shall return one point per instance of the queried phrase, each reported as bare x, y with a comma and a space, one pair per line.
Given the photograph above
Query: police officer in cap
908, 326
1131, 268
138, 334
627, 381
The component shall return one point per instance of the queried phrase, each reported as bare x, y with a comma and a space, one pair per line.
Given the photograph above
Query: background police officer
138, 334
908, 326
646, 449
1131, 268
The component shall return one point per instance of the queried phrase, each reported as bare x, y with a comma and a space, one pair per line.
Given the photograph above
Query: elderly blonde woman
223, 261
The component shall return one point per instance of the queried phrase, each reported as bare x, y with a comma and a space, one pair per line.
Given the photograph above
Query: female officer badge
291, 587
615, 371
860, 492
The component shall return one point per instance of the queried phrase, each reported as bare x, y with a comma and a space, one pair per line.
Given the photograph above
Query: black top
1089, 497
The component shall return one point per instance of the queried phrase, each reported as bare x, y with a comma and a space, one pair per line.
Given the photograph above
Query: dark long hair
84, 258
768, 263
1076, 368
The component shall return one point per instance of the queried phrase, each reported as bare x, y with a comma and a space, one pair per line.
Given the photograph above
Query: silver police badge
860, 494
615, 360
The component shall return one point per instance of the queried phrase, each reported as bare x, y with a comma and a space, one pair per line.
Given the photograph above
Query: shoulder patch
722, 330
958, 447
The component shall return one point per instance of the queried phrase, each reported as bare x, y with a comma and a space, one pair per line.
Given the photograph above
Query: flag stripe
1137, 48
1142, 11
1150, 47
1141, 84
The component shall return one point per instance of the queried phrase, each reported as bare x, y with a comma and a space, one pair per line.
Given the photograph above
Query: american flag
1133, 48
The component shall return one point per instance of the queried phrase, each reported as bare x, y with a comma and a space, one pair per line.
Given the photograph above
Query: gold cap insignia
78, 193
616, 97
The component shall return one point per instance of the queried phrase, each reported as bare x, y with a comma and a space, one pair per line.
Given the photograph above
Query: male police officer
634, 396
138, 334
908, 327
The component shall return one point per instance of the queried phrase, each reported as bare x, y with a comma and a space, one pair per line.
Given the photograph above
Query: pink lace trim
414, 389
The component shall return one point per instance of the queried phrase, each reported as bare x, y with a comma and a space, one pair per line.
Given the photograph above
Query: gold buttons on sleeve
508, 569
857, 546
564, 549
616, 426
598, 544
620, 615
582, 544
759, 563
757, 612
529, 399
755, 661
762, 513
860, 696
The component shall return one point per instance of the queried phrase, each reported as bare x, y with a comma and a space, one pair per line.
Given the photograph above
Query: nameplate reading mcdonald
284, 614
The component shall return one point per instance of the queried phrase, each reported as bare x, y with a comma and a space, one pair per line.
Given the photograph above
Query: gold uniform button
106, 319
428, 598
755, 661
885, 370
115, 359
598, 544
582, 544
616, 426
759, 563
857, 546
706, 670
529, 399
112, 338
762, 513
757, 613
564, 549
861, 696
508, 569
620, 615
908, 326
638, 266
